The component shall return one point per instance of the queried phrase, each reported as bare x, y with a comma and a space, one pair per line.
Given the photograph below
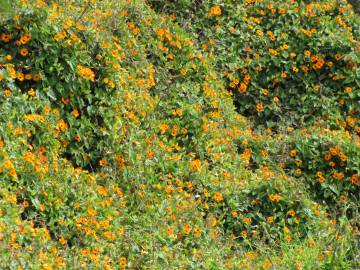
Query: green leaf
5, 6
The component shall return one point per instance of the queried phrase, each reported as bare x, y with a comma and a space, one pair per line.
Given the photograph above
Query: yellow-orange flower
24, 52
195, 165
170, 231
215, 11
62, 240
7, 93
274, 197
246, 220
259, 107
218, 197
86, 73
197, 232
187, 229
270, 219
102, 162
31, 92
123, 262
293, 153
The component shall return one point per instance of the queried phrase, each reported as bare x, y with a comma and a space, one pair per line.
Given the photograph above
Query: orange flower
25, 204
31, 92
197, 232
7, 93
187, 229
5, 37
102, 162
75, 113
265, 92
348, 90
24, 52
20, 76
120, 161
259, 107
215, 11
270, 219
150, 154
37, 77
175, 130
305, 69
292, 212
86, 73
8, 57
298, 162
62, 125
212, 221
242, 88
246, 220
321, 177
196, 165
163, 128
218, 197
170, 231
288, 238
123, 262
355, 179
13, 173
92, 212
60, 35
25, 39
65, 100
274, 197
102, 191
62, 240
338, 176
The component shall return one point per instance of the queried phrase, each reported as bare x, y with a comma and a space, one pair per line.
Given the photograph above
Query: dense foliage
287, 61
124, 142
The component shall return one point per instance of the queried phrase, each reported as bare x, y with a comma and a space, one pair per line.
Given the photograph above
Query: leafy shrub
271, 210
50, 64
138, 166
288, 61
329, 163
